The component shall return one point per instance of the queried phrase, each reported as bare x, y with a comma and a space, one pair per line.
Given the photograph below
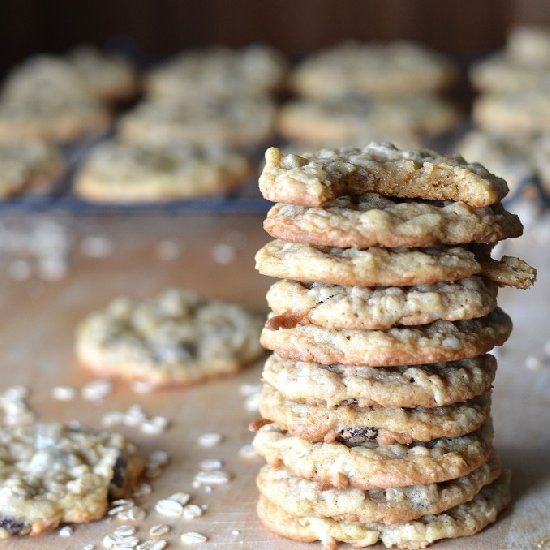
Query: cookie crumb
192, 537
97, 390
209, 439
223, 253
63, 393
66, 531
532, 362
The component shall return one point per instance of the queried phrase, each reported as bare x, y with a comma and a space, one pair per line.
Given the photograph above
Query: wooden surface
36, 349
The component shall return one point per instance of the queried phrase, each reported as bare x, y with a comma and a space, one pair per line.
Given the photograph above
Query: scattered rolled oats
108, 541
88, 547
143, 490
235, 533
192, 511
247, 452
223, 253
532, 362
63, 393
209, 439
97, 390
152, 545
65, 531
125, 530
214, 477
169, 508
192, 537
154, 425
182, 498
210, 464
159, 530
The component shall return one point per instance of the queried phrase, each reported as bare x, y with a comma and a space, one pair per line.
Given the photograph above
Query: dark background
161, 27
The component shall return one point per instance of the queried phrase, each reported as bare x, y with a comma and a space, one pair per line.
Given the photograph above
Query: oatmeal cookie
174, 338
53, 473
315, 179
407, 386
438, 342
372, 220
350, 423
338, 307
370, 465
301, 497
126, 172
464, 519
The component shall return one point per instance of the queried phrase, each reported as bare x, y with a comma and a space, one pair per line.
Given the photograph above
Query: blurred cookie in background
352, 119
396, 68
245, 121
29, 167
45, 99
146, 172
110, 78
254, 70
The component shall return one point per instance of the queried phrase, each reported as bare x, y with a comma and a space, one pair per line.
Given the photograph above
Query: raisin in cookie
301, 497
462, 520
438, 342
174, 338
126, 172
408, 386
339, 307
315, 179
52, 474
369, 465
351, 423
372, 220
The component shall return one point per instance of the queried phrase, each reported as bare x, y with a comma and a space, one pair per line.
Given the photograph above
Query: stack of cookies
376, 401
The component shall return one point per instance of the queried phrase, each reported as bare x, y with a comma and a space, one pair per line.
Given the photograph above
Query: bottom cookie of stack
461, 520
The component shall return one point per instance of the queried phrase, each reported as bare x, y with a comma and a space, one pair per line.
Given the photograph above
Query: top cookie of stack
379, 378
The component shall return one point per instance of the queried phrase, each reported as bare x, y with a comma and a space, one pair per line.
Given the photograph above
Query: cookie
29, 166
351, 423
126, 172
256, 69
344, 120
398, 68
171, 339
54, 473
438, 342
462, 520
240, 121
45, 99
510, 157
408, 386
302, 498
318, 178
372, 220
509, 271
522, 113
371, 267
369, 465
108, 78
338, 307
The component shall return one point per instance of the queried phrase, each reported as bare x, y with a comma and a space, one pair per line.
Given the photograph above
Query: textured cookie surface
27, 165
174, 338
400, 68
409, 386
372, 220
315, 179
256, 69
54, 474
441, 341
345, 120
118, 171
231, 121
301, 497
464, 519
371, 267
338, 307
370, 465
352, 424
